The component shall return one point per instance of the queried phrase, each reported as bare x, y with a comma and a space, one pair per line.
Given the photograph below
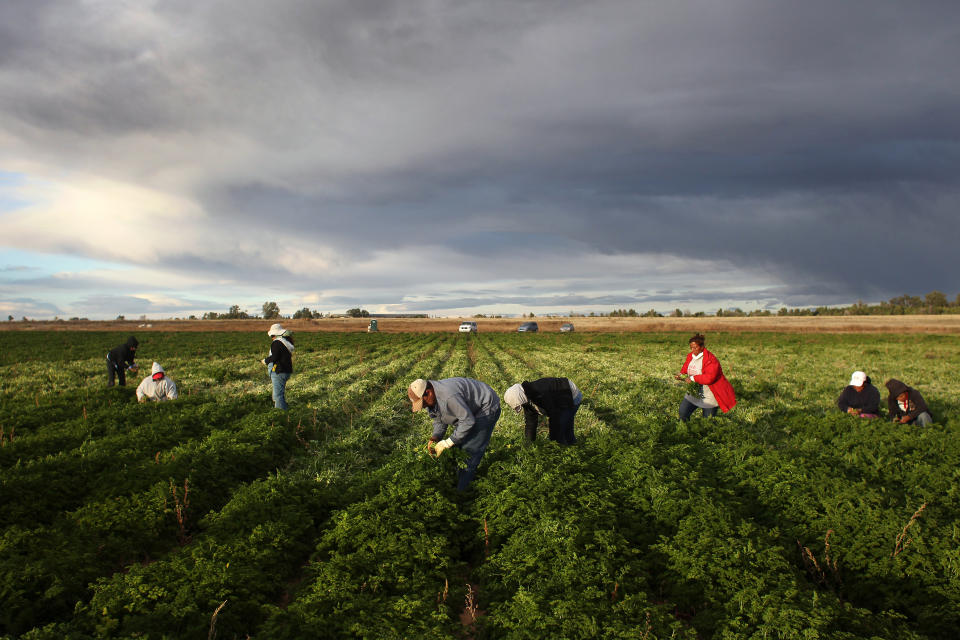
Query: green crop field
219, 516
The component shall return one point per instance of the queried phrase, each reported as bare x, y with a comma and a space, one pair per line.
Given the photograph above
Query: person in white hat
471, 407
157, 386
557, 398
279, 363
860, 398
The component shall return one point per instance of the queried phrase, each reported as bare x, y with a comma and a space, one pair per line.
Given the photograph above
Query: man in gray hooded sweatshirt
470, 406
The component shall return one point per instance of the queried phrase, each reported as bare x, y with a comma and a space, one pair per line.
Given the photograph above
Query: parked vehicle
468, 327
372, 326
566, 327
528, 327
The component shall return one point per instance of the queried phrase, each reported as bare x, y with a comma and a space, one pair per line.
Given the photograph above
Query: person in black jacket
279, 363
906, 405
557, 398
119, 359
860, 398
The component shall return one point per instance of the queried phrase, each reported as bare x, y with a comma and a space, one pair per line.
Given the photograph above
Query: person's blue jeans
279, 388
687, 408
922, 420
476, 445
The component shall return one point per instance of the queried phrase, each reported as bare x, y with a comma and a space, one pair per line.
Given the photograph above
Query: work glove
442, 446
263, 361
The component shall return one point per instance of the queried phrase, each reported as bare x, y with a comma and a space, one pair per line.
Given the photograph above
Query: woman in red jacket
702, 367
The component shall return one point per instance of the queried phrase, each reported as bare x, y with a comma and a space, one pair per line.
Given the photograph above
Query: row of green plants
49, 567
783, 518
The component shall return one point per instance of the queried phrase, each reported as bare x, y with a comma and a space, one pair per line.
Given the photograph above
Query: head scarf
515, 397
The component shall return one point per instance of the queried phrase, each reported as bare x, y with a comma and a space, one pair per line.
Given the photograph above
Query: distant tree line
271, 311
935, 302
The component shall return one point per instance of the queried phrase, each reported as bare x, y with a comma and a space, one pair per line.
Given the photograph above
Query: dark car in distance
528, 327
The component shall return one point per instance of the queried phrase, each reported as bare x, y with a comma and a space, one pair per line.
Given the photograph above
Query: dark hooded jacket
554, 397
280, 357
915, 403
122, 356
867, 400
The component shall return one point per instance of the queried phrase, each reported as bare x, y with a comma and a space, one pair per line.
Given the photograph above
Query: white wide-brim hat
276, 330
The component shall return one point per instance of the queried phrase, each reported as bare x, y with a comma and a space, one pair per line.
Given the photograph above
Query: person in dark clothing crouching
906, 405
860, 398
119, 359
557, 398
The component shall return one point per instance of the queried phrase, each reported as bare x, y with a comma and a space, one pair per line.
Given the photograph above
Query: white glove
442, 446
263, 361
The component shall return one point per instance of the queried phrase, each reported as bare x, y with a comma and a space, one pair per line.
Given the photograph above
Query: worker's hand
132, 367
904, 419
853, 411
442, 446
263, 361
679, 376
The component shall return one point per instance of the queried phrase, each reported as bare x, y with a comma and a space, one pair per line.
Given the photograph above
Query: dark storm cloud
815, 142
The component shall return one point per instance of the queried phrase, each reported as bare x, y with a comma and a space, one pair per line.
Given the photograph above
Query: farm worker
279, 363
557, 398
156, 386
860, 398
471, 407
906, 405
702, 367
119, 359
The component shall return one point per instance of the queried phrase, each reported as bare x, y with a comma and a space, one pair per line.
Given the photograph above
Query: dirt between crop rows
936, 324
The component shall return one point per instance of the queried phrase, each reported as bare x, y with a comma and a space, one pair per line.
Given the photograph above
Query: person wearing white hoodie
279, 363
157, 386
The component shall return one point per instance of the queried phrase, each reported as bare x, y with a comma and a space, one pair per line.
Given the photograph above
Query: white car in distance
468, 327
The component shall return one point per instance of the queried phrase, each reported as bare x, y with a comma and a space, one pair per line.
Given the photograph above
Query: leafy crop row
219, 516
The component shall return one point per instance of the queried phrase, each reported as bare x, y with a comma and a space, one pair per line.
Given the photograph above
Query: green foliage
782, 518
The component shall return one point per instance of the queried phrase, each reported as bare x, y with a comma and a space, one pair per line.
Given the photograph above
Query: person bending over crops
860, 398
702, 367
279, 363
557, 398
156, 386
471, 407
906, 405
120, 359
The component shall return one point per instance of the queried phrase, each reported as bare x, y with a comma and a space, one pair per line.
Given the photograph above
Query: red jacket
713, 377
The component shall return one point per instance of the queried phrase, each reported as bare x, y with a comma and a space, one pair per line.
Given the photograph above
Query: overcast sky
165, 158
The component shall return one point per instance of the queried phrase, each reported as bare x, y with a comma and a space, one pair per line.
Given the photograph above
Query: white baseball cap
415, 392
858, 378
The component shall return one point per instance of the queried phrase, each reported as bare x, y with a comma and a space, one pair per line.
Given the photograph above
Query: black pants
120, 372
560, 425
